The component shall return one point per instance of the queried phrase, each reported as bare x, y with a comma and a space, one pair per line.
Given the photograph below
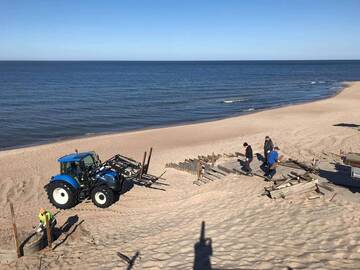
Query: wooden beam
198, 169
15, 231
209, 176
48, 231
142, 167
219, 171
148, 161
225, 169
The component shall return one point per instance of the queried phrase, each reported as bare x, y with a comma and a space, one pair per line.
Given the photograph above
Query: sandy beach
160, 228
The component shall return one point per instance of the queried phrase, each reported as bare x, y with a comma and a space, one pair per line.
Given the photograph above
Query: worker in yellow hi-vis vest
43, 213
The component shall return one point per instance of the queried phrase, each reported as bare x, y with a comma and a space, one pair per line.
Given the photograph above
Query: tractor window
88, 161
70, 168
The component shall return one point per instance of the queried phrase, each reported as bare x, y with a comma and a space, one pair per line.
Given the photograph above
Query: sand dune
156, 229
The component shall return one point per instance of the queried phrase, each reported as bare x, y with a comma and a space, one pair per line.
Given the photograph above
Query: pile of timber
298, 184
352, 159
295, 184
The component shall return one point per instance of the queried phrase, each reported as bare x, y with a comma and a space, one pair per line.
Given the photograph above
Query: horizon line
199, 60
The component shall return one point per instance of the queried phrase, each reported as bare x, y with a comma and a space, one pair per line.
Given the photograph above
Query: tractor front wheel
102, 196
61, 195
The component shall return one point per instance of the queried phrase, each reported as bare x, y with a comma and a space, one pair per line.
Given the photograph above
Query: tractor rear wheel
102, 196
61, 195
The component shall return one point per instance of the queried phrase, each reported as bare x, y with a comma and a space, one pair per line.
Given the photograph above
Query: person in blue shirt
273, 159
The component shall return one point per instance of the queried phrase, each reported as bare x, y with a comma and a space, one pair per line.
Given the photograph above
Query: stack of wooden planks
295, 184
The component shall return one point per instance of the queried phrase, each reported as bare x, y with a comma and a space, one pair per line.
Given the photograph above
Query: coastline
176, 208
340, 89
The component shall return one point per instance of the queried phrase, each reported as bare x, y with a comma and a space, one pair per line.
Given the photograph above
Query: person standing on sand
45, 215
273, 159
268, 147
248, 158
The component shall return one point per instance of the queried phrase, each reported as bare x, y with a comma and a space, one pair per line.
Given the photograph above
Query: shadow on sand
35, 242
347, 125
65, 229
203, 251
130, 261
341, 177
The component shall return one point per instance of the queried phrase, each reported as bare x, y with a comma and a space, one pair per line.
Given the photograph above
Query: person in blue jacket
273, 159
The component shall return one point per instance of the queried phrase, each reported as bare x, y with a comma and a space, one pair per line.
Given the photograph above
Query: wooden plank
304, 177
210, 177
142, 166
148, 161
295, 189
48, 231
16, 239
218, 171
303, 166
213, 174
225, 169
259, 175
289, 165
198, 169
240, 172
283, 184
323, 185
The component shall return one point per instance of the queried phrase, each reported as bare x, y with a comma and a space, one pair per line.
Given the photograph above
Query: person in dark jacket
248, 158
268, 147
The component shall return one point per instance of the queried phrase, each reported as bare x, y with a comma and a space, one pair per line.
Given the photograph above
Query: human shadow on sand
130, 261
203, 251
341, 176
65, 229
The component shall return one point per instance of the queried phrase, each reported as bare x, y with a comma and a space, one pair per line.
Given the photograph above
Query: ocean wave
249, 110
234, 100
316, 82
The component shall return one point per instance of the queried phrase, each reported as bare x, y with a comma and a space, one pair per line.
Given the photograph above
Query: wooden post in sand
198, 172
142, 166
48, 231
15, 230
148, 161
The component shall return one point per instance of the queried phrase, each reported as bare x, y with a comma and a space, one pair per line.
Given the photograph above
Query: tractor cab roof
75, 157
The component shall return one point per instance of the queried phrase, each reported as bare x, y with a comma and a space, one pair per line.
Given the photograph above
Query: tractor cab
77, 165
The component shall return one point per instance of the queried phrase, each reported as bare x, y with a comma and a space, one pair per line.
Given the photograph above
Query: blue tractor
83, 176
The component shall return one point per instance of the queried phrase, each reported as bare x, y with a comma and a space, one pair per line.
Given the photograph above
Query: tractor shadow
130, 261
67, 229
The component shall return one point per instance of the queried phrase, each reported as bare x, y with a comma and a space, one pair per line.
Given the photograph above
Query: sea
46, 101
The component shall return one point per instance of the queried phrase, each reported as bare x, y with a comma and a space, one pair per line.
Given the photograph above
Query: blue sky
179, 29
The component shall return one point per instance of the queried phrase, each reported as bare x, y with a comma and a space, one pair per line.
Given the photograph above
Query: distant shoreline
344, 85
